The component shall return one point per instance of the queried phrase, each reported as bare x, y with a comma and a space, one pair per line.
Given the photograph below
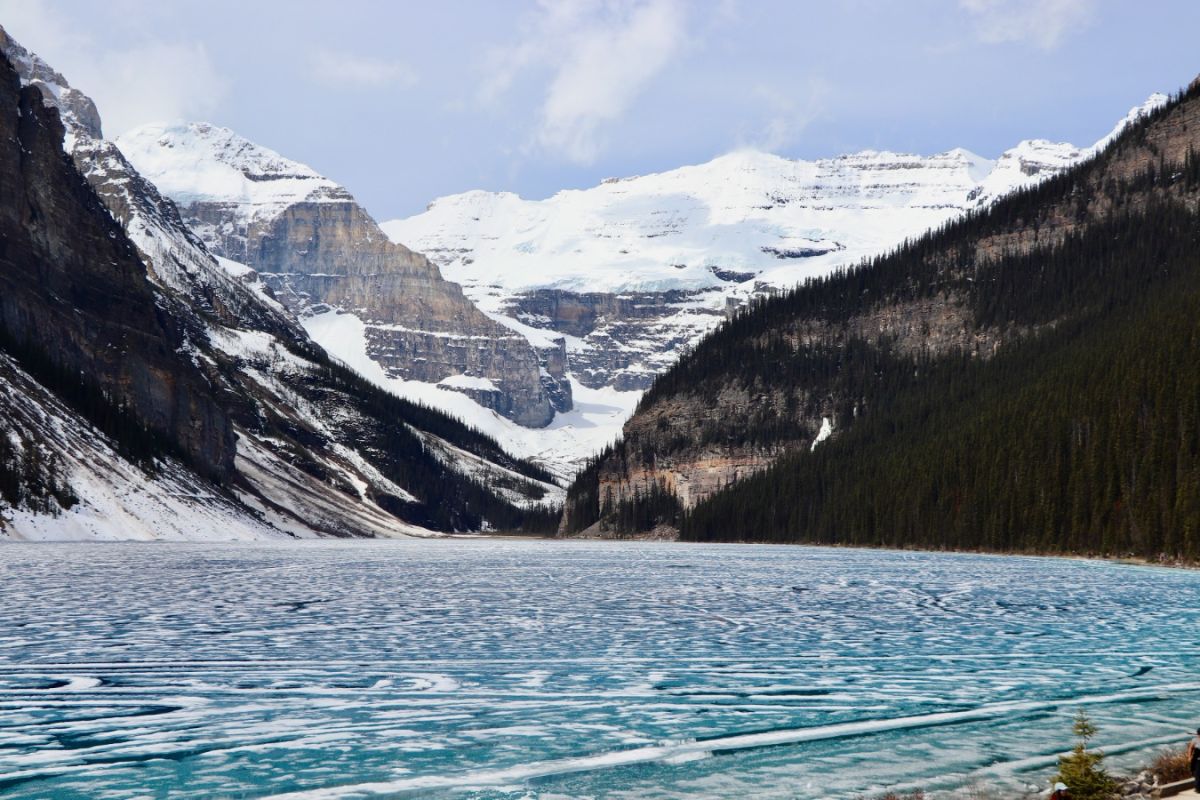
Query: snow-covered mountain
609, 285
735, 223
319, 250
635, 270
697, 227
151, 390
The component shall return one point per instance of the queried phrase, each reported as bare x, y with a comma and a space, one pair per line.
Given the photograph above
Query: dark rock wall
72, 287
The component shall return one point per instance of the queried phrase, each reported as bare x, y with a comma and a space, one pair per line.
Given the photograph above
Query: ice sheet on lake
574, 669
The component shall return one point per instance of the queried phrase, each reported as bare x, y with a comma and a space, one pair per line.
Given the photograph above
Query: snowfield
742, 219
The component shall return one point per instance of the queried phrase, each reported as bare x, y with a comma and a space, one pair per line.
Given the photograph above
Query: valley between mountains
197, 329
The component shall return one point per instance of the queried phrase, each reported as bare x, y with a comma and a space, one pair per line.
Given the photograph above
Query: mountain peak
750, 157
76, 110
199, 161
1152, 104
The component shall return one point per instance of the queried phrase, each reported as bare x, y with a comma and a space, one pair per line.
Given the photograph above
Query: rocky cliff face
628, 337
318, 249
76, 298
175, 257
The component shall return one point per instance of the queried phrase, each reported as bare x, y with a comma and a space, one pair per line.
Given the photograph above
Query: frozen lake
530, 669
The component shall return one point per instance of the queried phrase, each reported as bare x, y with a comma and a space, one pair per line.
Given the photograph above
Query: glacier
662, 259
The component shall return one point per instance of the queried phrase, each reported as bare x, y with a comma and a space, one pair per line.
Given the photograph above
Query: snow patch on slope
117, 500
823, 434
592, 424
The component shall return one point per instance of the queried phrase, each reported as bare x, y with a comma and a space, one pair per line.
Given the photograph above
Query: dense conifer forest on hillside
745, 349
1084, 439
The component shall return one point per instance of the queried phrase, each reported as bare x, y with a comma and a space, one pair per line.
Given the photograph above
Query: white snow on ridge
1152, 104
1033, 160
746, 211
776, 220
197, 161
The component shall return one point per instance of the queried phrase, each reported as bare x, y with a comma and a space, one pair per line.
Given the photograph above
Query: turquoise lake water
532, 669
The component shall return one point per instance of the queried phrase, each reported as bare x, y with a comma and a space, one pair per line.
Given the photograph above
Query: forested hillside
1085, 438
1022, 379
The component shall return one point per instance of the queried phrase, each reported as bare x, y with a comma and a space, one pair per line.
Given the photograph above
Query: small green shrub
1082, 770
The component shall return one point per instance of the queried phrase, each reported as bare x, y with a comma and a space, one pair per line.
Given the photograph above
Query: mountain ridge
318, 250
603, 316
636, 270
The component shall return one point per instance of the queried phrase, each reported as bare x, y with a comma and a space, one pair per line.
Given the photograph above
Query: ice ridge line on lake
683, 750
703, 661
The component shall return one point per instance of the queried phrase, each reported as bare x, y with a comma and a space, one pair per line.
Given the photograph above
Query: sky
404, 102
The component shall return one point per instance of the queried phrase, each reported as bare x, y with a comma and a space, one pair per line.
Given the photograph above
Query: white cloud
154, 80
157, 81
335, 68
788, 113
1042, 22
39, 28
600, 56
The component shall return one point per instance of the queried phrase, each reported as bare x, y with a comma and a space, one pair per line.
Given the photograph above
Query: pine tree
1082, 770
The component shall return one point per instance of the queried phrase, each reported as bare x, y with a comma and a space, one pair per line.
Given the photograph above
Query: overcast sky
407, 101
